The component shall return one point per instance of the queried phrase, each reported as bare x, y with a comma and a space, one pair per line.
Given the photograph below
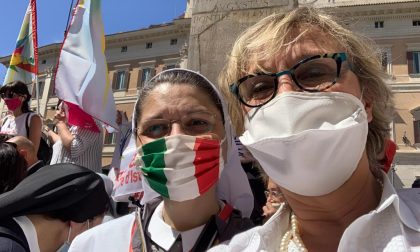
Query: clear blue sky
118, 16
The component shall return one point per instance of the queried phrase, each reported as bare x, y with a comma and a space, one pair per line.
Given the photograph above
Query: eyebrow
160, 115
307, 55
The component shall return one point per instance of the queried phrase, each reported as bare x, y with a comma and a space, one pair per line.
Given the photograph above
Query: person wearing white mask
274, 199
195, 191
310, 100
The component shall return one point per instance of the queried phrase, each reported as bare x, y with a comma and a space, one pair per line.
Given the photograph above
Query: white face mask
308, 143
66, 245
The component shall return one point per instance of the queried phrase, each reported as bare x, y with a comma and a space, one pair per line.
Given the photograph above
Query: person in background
74, 144
256, 177
27, 150
195, 191
416, 183
314, 108
12, 166
22, 121
274, 199
49, 208
111, 213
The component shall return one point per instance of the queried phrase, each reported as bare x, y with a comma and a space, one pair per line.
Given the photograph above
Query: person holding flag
83, 85
81, 80
74, 144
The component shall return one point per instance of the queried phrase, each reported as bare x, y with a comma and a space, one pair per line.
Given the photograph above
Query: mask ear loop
68, 236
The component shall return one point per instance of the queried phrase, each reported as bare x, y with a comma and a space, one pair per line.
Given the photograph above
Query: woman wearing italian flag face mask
195, 191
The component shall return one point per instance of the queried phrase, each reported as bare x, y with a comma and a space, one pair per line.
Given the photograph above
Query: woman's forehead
178, 98
301, 44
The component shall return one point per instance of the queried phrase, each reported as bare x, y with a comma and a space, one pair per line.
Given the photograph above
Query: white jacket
393, 226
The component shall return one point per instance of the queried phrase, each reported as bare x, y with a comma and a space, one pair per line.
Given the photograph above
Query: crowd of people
308, 101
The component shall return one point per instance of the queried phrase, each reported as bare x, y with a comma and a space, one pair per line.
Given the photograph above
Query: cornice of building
177, 27
405, 87
49, 49
43, 51
393, 36
352, 3
388, 10
136, 58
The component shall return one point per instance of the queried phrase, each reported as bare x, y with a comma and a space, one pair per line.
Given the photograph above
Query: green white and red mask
181, 167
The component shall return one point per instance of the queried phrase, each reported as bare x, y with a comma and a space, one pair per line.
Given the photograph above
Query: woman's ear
23, 153
369, 110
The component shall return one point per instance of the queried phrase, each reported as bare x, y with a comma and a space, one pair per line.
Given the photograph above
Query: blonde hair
270, 36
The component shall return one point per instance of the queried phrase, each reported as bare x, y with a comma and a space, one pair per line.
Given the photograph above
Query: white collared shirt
85, 150
163, 234
119, 233
29, 231
393, 226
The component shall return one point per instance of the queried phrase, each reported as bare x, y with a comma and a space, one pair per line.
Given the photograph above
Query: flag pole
68, 17
35, 42
65, 34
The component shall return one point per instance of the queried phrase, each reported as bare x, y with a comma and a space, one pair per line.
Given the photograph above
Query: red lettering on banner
132, 163
127, 177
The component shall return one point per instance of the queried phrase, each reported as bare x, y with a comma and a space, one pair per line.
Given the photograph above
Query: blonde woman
310, 100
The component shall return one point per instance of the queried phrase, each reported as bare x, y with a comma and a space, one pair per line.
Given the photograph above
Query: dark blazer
12, 237
35, 167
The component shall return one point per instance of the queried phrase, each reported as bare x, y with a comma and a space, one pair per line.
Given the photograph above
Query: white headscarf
233, 185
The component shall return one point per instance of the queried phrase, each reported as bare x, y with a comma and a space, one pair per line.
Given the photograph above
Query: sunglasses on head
9, 95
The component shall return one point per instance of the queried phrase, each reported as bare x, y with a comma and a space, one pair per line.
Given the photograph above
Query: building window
110, 138
44, 62
416, 22
170, 66
120, 80
123, 48
413, 62
174, 41
379, 24
149, 45
146, 75
416, 126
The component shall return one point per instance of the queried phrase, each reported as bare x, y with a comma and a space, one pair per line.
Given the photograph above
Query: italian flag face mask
181, 167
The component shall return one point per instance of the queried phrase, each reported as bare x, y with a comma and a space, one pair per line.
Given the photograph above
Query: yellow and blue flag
24, 61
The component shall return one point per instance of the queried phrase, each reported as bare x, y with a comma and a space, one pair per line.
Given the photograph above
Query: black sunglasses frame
338, 57
9, 95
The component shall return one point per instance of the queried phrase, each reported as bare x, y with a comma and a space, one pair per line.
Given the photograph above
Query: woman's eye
257, 88
155, 131
198, 126
262, 89
316, 72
